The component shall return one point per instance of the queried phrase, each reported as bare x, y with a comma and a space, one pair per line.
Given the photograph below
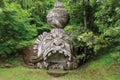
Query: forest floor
102, 68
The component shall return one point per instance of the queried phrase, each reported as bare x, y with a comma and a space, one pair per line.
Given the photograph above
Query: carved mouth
58, 51
57, 59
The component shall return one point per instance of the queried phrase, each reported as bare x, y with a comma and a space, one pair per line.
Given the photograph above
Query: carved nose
57, 43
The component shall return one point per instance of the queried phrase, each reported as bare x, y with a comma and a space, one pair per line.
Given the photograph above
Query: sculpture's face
56, 45
55, 42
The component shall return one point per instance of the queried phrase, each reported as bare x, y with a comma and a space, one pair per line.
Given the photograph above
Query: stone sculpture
54, 49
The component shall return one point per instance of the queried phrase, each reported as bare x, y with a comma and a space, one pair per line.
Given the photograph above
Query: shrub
15, 29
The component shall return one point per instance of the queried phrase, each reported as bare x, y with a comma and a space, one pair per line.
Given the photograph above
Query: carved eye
60, 44
54, 44
49, 37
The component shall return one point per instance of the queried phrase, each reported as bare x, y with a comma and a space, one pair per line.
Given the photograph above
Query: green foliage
103, 27
116, 56
87, 38
108, 22
38, 10
15, 29
108, 14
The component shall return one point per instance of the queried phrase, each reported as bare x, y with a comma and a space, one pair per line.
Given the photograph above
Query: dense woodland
94, 26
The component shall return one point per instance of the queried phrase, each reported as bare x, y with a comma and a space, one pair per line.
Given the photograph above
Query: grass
100, 69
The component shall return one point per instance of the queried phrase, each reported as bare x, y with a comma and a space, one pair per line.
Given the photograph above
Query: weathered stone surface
27, 53
53, 48
58, 16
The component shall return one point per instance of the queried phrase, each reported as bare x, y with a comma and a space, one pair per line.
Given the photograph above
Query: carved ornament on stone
54, 49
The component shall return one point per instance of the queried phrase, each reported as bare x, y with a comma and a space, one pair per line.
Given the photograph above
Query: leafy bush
104, 33
116, 56
108, 22
15, 29
84, 42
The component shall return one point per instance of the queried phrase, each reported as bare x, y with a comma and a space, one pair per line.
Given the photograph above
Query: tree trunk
84, 13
